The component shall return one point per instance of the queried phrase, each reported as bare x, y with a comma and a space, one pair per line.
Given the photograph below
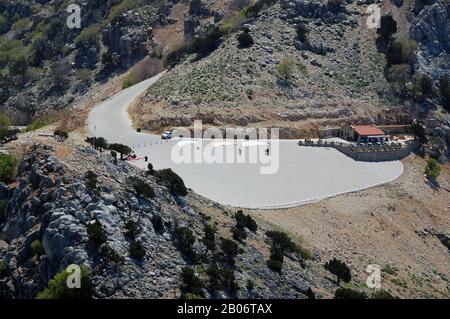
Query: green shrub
89, 35
242, 222
275, 265
185, 241
281, 244
136, 250
57, 287
432, 170
91, 179
388, 269
191, 283
141, 187
444, 91
340, 269
422, 86
111, 255
302, 32
347, 293
245, 40
158, 224
210, 237
128, 81
2, 210
172, 181
3, 268
37, 248
96, 233
131, 229
46, 120
401, 51
99, 143
122, 149
8, 166
230, 248
285, 69
388, 26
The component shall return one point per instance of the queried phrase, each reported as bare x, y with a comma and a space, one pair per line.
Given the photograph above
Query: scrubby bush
122, 149
302, 32
388, 26
57, 287
210, 237
432, 170
111, 255
150, 169
401, 51
128, 81
158, 224
221, 279
47, 119
36, 248
172, 181
242, 222
131, 229
444, 91
190, 282
62, 135
8, 166
141, 187
348, 293
245, 40
285, 69
91, 180
339, 269
99, 143
2, 210
185, 242
281, 244
3, 268
96, 233
230, 249
136, 250
399, 75
422, 86
275, 265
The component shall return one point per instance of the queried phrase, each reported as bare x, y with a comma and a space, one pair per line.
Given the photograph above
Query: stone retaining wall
382, 153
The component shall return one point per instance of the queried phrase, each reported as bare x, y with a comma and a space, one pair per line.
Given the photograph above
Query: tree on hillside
401, 51
245, 40
444, 91
432, 170
302, 32
285, 69
422, 86
388, 26
122, 149
339, 269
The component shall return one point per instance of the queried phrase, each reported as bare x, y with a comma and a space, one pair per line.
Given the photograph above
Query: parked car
166, 135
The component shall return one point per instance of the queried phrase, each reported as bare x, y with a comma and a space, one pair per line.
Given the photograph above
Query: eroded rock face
431, 30
51, 203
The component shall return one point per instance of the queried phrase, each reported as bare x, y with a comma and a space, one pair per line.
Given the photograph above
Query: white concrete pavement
305, 174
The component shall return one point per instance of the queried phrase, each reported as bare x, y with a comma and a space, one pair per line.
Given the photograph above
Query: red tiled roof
365, 130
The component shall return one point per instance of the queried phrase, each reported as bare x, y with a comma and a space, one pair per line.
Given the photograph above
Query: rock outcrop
51, 203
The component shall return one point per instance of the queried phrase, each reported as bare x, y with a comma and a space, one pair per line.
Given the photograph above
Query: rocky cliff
53, 202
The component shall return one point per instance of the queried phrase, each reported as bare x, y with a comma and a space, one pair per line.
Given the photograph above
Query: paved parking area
305, 174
